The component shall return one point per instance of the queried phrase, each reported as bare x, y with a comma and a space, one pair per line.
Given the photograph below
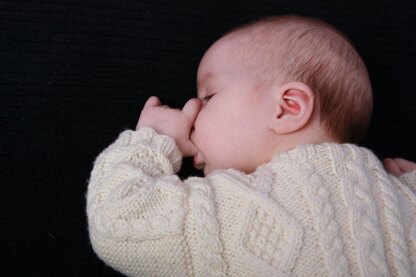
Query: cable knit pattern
409, 179
362, 214
396, 245
408, 217
131, 216
412, 240
316, 210
321, 208
209, 245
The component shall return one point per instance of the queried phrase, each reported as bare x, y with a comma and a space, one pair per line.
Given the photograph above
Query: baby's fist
172, 122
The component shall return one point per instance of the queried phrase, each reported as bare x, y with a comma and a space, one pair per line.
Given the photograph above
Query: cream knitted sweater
316, 210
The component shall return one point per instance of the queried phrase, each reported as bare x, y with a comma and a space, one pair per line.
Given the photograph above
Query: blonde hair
294, 48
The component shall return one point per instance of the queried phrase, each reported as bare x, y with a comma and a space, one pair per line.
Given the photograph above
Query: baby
285, 192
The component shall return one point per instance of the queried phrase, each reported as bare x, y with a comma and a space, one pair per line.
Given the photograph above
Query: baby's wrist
160, 143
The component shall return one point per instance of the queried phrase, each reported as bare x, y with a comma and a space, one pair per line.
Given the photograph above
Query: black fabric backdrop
74, 74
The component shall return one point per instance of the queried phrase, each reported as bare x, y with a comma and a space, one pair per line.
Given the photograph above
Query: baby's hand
398, 166
172, 122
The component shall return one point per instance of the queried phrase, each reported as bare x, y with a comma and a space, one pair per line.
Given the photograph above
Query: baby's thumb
152, 102
191, 109
189, 149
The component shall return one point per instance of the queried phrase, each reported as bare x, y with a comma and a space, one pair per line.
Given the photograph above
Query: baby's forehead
238, 51
226, 57
254, 51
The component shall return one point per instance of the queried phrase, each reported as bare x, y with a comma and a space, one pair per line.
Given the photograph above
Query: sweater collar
321, 154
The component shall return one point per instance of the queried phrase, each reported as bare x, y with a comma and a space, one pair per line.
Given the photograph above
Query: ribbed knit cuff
161, 144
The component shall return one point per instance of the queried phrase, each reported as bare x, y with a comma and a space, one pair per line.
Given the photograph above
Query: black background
74, 74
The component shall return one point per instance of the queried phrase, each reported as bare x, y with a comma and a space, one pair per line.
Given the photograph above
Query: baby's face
230, 128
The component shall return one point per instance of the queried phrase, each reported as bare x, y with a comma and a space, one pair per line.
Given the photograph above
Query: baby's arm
135, 203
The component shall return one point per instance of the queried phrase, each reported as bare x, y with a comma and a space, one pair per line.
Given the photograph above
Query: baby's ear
294, 104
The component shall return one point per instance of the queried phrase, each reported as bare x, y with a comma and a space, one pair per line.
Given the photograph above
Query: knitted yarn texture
316, 210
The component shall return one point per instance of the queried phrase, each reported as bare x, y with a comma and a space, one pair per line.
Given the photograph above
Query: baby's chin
201, 164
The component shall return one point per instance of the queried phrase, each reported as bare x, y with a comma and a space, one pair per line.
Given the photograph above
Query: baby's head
276, 83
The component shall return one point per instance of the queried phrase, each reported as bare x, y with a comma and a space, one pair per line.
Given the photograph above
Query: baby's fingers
391, 167
146, 118
191, 110
152, 102
405, 165
398, 166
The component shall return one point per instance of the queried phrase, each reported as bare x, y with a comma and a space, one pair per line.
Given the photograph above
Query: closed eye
208, 97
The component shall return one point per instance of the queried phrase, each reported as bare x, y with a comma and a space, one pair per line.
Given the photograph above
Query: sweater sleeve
409, 179
136, 205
